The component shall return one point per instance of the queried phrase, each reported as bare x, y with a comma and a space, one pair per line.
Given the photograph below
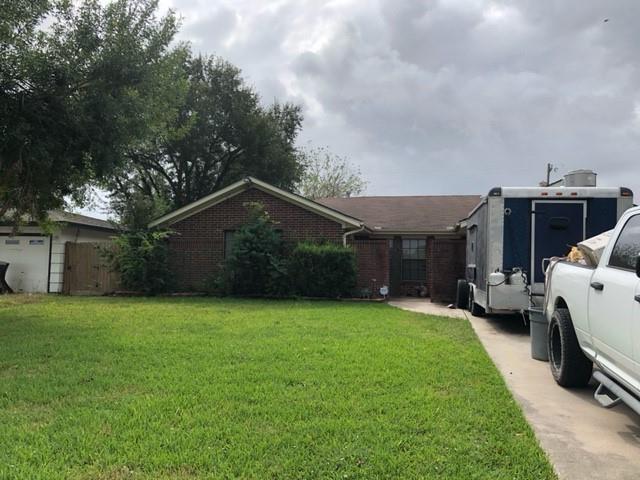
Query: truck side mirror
638, 266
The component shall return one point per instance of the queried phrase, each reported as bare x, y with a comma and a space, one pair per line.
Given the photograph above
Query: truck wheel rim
555, 347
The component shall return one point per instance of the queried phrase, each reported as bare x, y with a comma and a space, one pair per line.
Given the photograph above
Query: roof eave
449, 231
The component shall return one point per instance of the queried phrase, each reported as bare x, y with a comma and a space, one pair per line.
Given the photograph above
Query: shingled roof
419, 214
78, 219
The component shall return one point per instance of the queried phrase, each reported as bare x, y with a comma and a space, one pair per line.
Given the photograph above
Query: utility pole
549, 170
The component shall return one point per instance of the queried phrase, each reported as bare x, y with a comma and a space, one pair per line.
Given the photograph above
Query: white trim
416, 233
494, 243
306, 203
560, 193
244, 184
198, 205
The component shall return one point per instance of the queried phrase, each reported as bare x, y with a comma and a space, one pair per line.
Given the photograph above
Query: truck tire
475, 309
462, 294
569, 366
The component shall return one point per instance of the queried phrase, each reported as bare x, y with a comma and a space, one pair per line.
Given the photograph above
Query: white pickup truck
594, 318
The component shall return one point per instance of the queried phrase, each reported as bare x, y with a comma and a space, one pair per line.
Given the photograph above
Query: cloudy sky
448, 96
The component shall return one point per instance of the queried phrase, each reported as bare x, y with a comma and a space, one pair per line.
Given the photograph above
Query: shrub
142, 260
322, 270
256, 265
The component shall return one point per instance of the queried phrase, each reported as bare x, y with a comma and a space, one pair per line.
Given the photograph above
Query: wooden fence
86, 272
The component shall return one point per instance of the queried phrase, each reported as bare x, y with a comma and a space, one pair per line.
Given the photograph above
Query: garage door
29, 262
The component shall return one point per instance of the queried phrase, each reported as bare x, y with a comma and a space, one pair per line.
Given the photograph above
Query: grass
113, 388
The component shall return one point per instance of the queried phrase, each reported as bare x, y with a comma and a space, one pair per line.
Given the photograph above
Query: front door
635, 331
557, 226
612, 306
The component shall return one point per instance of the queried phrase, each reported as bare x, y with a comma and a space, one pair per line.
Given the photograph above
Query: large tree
328, 175
222, 133
80, 83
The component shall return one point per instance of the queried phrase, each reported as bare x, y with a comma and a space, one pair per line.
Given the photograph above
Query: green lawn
114, 388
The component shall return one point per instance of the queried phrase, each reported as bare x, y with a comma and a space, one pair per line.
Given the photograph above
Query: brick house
410, 244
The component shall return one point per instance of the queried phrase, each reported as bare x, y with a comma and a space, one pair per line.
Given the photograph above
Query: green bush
256, 265
142, 260
322, 270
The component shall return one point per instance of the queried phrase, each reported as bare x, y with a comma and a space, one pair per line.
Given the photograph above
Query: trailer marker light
574, 194
544, 194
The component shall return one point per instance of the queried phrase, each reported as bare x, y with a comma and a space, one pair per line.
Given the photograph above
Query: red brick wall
197, 250
447, 266
372, 257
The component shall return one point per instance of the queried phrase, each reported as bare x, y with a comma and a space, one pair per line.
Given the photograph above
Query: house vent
580, 178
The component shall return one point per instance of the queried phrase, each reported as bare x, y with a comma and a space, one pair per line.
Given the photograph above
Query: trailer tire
569, 365
475, 309
462, 294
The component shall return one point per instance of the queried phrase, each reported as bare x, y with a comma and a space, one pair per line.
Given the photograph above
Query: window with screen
229, 236
627, 246
414, 263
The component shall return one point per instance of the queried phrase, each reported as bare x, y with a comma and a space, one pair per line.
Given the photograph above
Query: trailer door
557, 226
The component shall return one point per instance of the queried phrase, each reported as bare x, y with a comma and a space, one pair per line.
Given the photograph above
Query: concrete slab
582, 439
425, 306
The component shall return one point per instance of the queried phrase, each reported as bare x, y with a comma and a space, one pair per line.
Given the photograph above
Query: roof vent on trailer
580, 178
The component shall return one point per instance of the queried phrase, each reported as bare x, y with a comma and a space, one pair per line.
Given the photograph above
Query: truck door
612, 304
556, 226
635, 335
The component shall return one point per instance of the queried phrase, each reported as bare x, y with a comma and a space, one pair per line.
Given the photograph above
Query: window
36, 242
627, 247
12, 241
414, 259
229, 236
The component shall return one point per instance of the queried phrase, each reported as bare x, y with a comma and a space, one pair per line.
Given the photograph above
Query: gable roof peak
243, 185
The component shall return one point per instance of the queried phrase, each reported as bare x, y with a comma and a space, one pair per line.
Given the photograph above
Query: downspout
351, 232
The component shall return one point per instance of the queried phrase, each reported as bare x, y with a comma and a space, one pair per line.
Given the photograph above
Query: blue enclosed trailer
514, 230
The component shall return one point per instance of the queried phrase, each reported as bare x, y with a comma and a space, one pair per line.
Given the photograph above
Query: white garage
27, 255
36, 259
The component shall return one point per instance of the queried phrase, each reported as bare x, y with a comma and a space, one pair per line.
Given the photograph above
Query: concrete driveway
582, 439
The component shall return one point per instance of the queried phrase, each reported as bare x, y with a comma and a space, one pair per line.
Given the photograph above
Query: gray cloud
449, 96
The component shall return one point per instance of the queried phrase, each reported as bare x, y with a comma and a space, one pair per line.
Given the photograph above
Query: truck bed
568, 285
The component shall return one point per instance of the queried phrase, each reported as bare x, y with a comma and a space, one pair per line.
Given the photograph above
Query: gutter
352, 232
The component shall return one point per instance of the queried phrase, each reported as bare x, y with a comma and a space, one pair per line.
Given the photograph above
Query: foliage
221, 134
328, 175
256, 265
142, 260
136, 212
178, 388
322, 270
79, 83
260, 265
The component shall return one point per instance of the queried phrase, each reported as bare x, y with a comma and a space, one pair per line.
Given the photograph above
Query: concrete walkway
582, 439
422, 305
